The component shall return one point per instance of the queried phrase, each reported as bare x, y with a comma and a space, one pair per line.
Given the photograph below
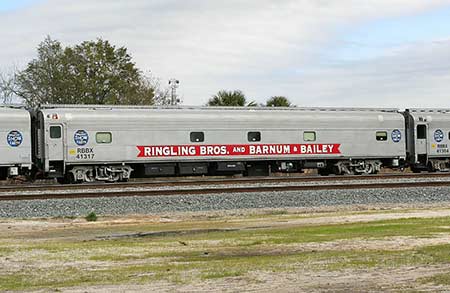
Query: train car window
55, 131
197, 137
382, 135
309, 136
103, 137
449, 135
254, 136
421, 132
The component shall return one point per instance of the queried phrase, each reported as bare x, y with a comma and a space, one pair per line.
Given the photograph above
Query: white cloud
413, 76
254, 45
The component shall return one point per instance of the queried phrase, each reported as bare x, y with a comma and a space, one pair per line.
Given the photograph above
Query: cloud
417, 75
262, 47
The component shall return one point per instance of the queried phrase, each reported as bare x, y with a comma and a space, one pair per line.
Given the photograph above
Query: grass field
396, 250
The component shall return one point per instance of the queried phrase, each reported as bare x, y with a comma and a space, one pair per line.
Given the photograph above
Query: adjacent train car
15, 142
108, 143
428, 139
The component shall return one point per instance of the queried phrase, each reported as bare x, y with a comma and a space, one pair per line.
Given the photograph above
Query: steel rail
212, 181
209, 181
199, 191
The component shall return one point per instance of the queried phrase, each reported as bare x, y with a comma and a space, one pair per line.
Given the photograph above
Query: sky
336, 53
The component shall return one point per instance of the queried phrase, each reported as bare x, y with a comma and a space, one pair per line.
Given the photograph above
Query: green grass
246, 239
69, 277
438, 279
321, 233
222, 274
5, 250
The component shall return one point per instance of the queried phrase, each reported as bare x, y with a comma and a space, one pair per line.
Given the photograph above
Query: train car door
55, 143
421, 143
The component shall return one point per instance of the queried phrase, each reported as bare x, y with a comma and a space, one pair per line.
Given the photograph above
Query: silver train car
428, 132
114, 143
15, 141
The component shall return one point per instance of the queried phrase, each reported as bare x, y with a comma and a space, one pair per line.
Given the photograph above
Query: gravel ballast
215, 202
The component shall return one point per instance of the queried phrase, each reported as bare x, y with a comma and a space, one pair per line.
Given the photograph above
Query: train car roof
429, 115
140, 111
165, 112
8, 112
6, 107
209, 108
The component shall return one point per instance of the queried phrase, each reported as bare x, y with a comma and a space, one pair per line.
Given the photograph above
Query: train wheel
324, 172
62, 180
337, 171
415, 170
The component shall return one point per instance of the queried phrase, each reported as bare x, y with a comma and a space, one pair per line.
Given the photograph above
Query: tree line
237, 98
97, 72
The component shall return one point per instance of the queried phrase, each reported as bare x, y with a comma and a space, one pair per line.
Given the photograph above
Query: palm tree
229, 98
278, 101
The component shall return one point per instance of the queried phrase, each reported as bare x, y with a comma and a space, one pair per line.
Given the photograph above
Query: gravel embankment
193, 203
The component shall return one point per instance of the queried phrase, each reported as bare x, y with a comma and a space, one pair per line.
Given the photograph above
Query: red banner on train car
236, 150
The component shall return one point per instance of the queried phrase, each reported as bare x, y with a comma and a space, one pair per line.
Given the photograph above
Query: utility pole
173, 83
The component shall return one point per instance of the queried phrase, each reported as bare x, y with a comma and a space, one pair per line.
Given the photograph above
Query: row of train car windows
106, 137
100, 137
251, 136
308, 135
422, 132
256, 136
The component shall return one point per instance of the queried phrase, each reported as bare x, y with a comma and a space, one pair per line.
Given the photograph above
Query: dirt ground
22, 236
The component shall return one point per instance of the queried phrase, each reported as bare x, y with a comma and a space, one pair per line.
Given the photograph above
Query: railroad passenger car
15, 141
428, 132
113, 143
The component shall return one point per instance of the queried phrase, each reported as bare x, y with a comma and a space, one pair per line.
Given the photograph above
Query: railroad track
208, 181
110, 190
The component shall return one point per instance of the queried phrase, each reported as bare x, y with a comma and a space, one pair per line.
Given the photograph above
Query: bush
91, 217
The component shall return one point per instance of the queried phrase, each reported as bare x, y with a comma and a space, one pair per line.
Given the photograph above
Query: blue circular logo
438, 135
81, 137
396, 135
14, 138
